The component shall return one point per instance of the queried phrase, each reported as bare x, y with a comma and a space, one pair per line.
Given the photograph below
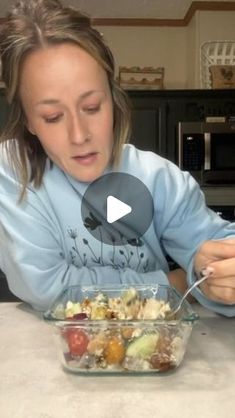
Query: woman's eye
92, 109
53, 119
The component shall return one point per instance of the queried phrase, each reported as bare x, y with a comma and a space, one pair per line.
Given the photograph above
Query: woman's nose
78, 131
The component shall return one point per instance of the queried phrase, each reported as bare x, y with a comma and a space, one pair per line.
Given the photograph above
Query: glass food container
121, 329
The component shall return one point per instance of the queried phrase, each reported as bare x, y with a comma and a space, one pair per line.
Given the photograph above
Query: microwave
207, 151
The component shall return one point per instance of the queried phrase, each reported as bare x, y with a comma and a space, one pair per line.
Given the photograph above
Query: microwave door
207, 161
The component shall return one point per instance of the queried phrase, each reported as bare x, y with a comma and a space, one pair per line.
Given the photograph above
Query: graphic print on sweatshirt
83, 252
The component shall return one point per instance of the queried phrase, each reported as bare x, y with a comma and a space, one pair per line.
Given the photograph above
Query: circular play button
117, 208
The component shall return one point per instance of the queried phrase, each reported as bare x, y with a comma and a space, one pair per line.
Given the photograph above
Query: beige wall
174, 48
156, 47
214, 26
191, 57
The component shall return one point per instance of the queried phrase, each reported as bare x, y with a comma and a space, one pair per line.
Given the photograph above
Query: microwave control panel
192, 152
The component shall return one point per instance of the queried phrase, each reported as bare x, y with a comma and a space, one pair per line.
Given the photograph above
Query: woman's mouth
86, 159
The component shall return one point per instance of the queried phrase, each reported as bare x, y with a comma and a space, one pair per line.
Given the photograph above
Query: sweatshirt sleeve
182, 219
184, 222
31, 254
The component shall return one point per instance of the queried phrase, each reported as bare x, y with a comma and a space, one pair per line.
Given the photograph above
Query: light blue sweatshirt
45, 247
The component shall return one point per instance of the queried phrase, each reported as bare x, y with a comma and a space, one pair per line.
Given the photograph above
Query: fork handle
195, 284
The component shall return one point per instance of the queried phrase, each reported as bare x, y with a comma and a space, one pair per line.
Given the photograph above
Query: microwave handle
207, 161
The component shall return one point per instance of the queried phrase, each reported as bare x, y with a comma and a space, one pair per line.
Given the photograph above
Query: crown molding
194, 7
223, 6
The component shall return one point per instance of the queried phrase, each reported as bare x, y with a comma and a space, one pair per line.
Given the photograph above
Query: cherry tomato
114, 351
77, 341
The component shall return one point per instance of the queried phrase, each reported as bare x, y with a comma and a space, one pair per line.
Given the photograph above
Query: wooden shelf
151, 78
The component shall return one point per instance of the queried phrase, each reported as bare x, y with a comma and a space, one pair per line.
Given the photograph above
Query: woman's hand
217, 258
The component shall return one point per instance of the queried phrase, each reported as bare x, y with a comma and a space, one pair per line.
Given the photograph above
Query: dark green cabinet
156, 115
149, 125
5, 294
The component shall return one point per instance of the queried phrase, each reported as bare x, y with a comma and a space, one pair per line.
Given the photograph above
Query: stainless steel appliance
207, 151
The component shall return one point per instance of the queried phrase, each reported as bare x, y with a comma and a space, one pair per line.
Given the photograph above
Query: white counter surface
34, 385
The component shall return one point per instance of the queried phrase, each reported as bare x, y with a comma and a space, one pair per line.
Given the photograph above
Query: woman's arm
195, 237
37, 273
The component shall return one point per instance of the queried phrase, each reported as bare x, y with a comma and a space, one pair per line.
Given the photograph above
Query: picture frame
223, 76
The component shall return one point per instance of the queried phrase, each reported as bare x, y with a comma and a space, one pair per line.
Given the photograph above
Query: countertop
34, 385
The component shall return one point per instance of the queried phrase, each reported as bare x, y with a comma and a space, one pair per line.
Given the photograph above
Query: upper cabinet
149, 122
156, 115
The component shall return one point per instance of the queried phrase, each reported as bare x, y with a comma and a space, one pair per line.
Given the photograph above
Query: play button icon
116, 209
112, 209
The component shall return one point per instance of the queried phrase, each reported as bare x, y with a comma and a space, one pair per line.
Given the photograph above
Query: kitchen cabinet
5, 293
160, 111
149, 124
156, 114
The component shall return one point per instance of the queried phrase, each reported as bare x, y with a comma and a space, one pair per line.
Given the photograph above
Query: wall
175, 48
151, 46
191, 53
213, 26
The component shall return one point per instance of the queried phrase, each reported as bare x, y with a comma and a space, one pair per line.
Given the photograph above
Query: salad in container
121, 329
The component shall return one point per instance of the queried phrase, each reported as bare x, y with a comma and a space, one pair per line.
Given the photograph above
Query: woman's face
68, 105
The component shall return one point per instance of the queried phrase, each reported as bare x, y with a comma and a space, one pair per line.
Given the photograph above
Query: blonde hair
29, 26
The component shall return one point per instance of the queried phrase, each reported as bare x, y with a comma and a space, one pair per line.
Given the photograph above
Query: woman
68, 124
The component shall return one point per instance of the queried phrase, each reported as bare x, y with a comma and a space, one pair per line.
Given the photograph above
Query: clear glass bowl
137, 340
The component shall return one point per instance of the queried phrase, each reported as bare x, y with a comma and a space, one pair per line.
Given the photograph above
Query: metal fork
195, 284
